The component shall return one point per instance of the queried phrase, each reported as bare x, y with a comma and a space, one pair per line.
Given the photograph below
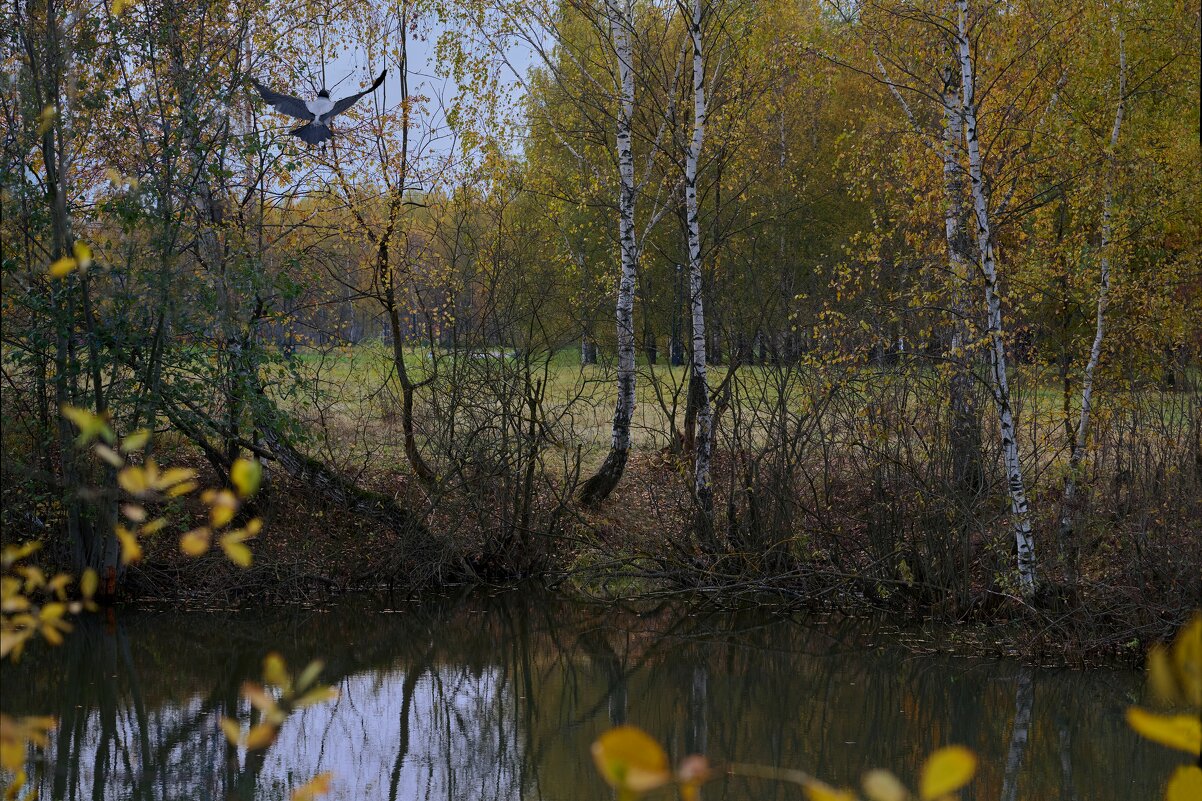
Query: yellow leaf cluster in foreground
633, 763
275, 707
1175, 681
80, 259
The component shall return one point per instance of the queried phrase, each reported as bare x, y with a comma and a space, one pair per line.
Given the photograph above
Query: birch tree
698, 383
588, 54
1077, 454
1020, 512
595, 489
964, 434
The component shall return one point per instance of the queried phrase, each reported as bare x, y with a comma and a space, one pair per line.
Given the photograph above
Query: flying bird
317, 113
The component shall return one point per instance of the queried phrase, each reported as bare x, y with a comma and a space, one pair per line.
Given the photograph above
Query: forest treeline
897, 301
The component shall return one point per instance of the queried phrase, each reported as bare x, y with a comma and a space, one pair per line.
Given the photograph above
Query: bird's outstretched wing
285, 104
344, 103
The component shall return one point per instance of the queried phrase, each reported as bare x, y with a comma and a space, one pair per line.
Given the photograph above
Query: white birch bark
953, 213
629, 250
964, 436
698, 377
1019, 511
1068, 510
621, 21
1020, 734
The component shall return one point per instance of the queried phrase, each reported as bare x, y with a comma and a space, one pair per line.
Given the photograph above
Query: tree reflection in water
491, 698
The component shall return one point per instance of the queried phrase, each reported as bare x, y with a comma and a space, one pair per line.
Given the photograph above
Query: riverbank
637, 547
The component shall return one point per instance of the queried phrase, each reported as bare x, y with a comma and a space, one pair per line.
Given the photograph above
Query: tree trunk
964, 441
598, 487
387, 275
1069, 506
699, 385
1020, 733
408, 389
588, 350
1019, 511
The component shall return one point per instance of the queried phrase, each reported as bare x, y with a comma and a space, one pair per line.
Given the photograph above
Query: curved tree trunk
601, 484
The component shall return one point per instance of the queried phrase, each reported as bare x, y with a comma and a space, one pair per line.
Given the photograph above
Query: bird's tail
312, 134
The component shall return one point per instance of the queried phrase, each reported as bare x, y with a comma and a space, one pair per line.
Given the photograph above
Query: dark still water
499, 698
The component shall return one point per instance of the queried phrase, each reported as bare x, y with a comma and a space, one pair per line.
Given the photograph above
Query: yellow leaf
236, 552
90, 425
881, 785
46, 119
15, 735
89, 582
1187, 659
173, 476
946, 771
63, 267
1185, 784
83, 254
58, 585
274, 671
136, 441
259, 698
154, 526
318, 785
629, 759
317, 695
309, 675
131, 549
1183, 732
233, 731
109, 455
34, 577
15, 553
260, 736
1175, 673
817, 791
195, 542
222, 506
52, 612
133, 479
13, 643
181, 489
246, 475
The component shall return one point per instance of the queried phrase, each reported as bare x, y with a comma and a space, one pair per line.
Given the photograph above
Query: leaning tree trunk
598, 487
1069, 507
699, 386
1020, 513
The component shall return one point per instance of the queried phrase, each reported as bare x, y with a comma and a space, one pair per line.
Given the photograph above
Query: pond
499, 697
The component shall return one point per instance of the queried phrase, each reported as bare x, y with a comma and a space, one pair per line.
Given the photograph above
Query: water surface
480, 697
